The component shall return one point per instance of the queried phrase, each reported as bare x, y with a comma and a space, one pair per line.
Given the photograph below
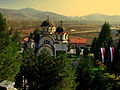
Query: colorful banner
112, 52
102, 53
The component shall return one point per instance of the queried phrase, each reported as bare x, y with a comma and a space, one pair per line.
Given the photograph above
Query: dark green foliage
93, 77
86, 51
45, 72
78, 50
104, 40
34, 33
2, 23
93, 46
9, 56
108, 60
66, 74
116, 61
26, 69
85, 73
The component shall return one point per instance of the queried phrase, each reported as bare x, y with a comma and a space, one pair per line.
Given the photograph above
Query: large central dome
47, 23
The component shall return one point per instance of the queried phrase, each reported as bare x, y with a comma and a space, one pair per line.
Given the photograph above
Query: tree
85, 73
104, 40
93, 46
92, 76
2, 23
26, 69
9, 56
66, 74
78, 50
86, 51
116, 60
35, 33
45, 72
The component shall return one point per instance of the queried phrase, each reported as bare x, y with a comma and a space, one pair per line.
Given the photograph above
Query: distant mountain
30, 13
101, 18
29, 10
33, 14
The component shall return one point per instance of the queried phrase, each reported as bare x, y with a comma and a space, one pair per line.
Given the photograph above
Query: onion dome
47, 23
60, 28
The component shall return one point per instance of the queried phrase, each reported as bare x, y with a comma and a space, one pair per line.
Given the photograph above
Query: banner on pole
102, 53
112, 52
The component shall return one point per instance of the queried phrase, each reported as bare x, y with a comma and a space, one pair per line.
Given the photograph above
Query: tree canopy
9, 55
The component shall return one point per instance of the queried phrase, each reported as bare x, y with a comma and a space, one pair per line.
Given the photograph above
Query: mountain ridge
34, 14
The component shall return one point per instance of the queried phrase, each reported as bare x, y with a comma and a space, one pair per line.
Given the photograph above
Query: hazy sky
67, 7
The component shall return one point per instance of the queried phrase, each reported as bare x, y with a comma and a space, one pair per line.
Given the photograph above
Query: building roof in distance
78, 40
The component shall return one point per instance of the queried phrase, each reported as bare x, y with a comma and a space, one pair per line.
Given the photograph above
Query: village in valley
44, 50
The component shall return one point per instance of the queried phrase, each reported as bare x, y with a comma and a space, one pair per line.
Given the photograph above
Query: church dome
47, 23
60, 28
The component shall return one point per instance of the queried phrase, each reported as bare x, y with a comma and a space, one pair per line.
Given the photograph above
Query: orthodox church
53, 38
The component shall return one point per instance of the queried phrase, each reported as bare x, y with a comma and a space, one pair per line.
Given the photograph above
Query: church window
46, 42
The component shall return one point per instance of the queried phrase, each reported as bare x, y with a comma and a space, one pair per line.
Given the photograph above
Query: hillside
29, 13
101, 18
33, 14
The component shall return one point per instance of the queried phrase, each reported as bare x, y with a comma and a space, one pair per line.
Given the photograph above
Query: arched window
46, 42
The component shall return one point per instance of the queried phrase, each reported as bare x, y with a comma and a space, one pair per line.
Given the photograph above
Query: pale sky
67, 7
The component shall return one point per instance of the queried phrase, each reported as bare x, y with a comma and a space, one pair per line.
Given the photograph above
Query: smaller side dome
60, 28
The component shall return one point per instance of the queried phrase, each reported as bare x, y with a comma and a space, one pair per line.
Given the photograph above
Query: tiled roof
78, 40
25, 39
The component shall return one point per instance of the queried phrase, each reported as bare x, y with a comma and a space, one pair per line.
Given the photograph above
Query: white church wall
46, 38
61, 46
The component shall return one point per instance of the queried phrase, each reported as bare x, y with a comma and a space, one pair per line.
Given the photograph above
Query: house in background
78, 42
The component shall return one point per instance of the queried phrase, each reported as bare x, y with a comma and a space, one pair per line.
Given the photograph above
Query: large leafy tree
9, 55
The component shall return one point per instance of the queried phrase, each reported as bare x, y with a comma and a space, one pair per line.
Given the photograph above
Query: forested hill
33, 14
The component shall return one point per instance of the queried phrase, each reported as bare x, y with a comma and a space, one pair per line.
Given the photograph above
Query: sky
67, 7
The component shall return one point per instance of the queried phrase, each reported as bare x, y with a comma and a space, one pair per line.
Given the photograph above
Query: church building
53, 38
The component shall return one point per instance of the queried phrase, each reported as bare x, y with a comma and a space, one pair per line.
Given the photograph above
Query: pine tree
66, 74
93, 46
85, 73
2, 23
104, 40
9, 56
